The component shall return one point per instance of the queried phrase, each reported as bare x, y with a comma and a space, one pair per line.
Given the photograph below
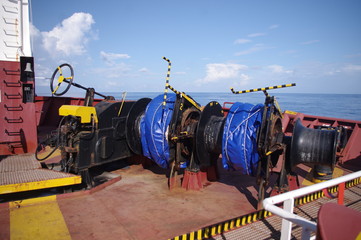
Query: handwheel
62, 79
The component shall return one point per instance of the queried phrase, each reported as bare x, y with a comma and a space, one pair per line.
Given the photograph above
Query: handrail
288, 198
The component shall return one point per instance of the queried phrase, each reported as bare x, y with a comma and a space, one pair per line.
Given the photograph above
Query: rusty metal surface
140, 206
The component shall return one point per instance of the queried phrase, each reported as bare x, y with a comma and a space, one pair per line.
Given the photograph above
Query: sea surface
345, 106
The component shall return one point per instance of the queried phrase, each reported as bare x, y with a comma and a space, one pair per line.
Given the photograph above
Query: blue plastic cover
239, 144
154, 129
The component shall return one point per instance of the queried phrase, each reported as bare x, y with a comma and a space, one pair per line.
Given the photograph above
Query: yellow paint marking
28, 186
213, 231
191, 236
231, 226
337, 172
291, 112
37, 219
238, 222
199, 234
226, 226
47, 151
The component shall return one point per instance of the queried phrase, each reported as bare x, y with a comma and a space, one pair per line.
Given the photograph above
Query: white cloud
34, 32
352, 68
242, 41
179, 73
310, 42
278, 69
110, 58
114, 71
143, 70
219, 71
255, 48
244, 79
252, 35
71, 36
274, 26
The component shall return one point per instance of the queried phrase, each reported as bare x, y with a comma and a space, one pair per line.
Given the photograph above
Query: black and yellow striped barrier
263, 89
166, 81
182, 94
235, 223
225, 226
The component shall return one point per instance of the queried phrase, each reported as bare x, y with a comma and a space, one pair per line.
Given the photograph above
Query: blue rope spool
154, 129
239, 143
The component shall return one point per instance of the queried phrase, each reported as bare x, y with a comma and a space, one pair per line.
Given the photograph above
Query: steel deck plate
24, 173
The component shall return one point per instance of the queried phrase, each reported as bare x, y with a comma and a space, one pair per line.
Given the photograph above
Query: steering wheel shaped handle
60, 79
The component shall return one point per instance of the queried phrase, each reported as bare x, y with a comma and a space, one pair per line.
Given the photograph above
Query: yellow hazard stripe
222, 227
50, 183
166, 81
263, 89
39, 218
234, 223
190, 100
167, 85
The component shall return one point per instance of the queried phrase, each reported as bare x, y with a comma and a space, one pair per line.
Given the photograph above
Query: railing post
306, 233
287, 225
341, 193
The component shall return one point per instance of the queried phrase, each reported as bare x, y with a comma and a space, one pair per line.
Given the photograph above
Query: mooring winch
178, 134
88, 135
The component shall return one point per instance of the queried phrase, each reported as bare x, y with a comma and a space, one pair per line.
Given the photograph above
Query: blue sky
118, 46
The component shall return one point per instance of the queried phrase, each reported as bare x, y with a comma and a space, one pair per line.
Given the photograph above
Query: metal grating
33, 175
270, 228
20, 173
18, 163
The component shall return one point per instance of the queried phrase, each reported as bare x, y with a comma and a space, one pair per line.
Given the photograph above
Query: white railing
288, 199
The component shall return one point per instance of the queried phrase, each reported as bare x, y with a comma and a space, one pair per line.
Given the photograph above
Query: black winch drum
314, 146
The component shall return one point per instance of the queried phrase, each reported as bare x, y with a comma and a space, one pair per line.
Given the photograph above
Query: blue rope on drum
154, 129
239, 143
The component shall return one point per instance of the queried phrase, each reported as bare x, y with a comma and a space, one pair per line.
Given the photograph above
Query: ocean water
346, 106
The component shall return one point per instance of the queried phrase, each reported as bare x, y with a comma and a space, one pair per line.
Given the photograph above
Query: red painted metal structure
18, 129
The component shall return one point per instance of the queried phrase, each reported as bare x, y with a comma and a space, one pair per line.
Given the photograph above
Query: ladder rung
10, 9
13, 133
18, 108
11, 33
11, 72
12, 84
13, 96
12, 44
12, 21
14, 120
11, 56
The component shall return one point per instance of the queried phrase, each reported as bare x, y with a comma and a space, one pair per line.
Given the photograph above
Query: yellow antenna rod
263, 89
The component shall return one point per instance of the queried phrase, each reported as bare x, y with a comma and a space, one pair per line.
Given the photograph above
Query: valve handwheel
61, 78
